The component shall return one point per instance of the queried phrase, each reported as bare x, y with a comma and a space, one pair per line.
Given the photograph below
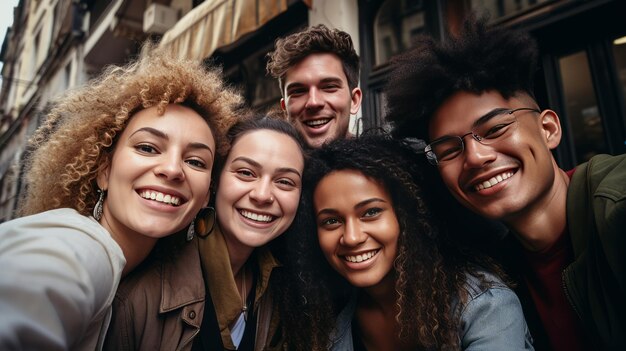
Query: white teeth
317, 122
160, 197
362, 257
256, 217
493, 181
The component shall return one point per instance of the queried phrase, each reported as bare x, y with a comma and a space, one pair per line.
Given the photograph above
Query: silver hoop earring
97, 210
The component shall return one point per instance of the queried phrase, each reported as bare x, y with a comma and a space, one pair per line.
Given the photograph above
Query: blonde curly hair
79, 134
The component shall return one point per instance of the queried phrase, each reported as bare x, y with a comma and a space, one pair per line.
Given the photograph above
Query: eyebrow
159, 134
357, 206
258, 165
323, 81
489, 115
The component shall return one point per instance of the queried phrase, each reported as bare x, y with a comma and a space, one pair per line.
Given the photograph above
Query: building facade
55, 45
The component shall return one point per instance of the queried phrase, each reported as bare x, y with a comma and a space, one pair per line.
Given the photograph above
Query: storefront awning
216, 23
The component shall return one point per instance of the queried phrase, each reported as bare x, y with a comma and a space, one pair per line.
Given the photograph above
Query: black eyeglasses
494, 126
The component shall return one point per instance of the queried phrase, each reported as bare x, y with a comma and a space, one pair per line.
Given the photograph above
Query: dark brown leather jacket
161, 306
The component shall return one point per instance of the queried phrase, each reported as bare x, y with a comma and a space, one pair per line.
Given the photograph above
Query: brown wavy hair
79, 134
316, 39
431, 268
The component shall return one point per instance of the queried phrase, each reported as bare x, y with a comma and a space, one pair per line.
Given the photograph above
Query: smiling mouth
317, 123
493, 181
362, 257
257, 217
161, 197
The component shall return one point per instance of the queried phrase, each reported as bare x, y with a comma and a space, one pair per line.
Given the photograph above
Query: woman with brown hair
117, 165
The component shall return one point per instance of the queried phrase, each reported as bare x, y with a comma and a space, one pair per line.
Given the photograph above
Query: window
397, 24
619, 55
505, 8
581, 106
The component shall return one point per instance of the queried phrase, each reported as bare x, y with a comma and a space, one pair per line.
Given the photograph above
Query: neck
135, 246
540, 225
238, 253
382, 295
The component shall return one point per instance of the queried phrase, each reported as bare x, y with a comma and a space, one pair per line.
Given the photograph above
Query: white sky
6, 17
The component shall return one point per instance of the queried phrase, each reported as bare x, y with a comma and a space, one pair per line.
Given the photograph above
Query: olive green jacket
595, 283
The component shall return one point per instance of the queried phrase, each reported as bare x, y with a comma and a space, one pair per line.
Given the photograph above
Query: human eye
447, 149
196, 163
296, 91
244, 173
329, 223
146, 148
330, 87
286, 183
497, 127
372, 212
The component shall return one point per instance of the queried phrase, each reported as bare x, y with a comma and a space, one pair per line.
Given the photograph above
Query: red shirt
545, 284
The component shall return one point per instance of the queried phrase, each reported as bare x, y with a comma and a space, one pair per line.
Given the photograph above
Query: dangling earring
203, 224
191, 231
97, 210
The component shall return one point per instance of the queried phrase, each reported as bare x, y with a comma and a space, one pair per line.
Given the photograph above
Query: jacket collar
219, 279
181, 279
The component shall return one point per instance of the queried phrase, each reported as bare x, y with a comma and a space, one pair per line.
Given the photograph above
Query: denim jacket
491, 319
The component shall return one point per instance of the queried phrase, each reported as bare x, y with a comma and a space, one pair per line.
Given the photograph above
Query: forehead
176, 120
348, 187
265, 144
457, 113
315, 67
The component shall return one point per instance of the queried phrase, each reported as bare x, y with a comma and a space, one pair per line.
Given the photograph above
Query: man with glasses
471, 99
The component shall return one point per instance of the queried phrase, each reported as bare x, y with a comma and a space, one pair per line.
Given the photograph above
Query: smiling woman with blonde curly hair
117, 165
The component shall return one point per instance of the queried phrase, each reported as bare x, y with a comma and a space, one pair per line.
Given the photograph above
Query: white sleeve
56, 279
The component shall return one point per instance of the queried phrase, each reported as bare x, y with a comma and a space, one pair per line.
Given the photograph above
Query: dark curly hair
316, 39
479, 59
426, 252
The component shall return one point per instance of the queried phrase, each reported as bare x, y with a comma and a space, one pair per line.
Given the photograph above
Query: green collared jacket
595, 283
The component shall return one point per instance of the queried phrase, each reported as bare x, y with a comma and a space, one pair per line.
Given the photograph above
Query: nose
314, 100
477, 155
170, 168
262, 192
353, 234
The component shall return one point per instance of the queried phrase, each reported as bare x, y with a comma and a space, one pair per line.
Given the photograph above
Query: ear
282, 104
551, 128
103, 177
356, 97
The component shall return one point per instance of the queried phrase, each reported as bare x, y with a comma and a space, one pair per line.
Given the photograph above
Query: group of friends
160, 214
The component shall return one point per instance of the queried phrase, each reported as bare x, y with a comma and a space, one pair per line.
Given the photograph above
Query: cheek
289, 204
327, 243
201, 185
450, 175
222, 202
294, 104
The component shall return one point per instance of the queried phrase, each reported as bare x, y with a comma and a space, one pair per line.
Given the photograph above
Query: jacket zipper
567, 295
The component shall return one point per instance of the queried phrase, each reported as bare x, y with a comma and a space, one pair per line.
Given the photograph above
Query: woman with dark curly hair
118, 164
370, 255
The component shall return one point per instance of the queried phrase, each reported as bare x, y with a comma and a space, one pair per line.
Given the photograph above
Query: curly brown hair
427, 252
316, 39
79, 134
